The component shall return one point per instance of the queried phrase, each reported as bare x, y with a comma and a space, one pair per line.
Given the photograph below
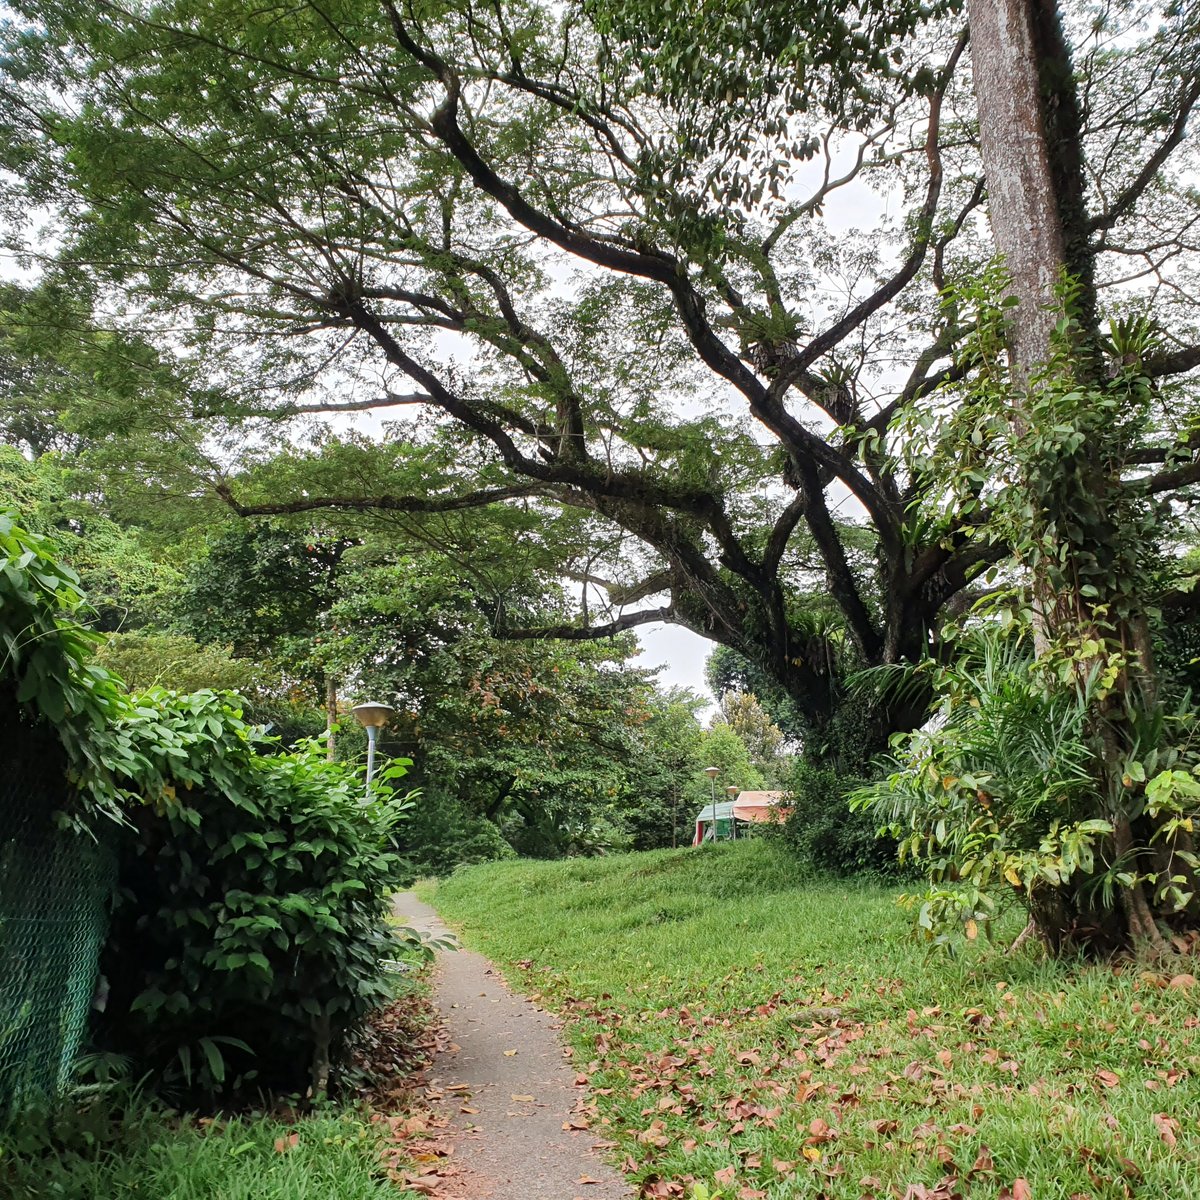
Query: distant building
750, 808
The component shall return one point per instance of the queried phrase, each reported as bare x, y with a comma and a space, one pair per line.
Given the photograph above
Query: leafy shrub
249, 928
440, 835
248, 934
1000, 799
46, 672
822, 829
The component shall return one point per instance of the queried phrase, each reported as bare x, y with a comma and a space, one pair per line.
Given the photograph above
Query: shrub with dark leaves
249, 935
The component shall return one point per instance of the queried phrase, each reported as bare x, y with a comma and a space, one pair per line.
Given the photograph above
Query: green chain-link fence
54, 892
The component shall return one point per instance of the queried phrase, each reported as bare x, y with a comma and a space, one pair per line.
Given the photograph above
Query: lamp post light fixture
732, 792
712, 773
372, 716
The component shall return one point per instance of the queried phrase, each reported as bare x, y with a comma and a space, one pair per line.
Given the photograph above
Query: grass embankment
756, 1034
146, 1155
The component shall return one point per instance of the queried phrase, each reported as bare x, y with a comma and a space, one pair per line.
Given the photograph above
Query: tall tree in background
763, 739
266, 591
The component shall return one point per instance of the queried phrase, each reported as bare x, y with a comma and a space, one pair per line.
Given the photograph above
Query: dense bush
1001, 801
249, 926
439, 835
822, 829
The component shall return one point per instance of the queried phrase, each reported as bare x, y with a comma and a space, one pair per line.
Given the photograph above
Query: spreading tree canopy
602, 258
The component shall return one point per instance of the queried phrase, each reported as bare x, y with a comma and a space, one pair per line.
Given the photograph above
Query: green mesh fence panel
54, 892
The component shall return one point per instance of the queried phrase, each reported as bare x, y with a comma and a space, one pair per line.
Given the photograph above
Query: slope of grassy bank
753, 1034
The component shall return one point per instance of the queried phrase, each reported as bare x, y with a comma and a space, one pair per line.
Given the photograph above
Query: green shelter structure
750, 808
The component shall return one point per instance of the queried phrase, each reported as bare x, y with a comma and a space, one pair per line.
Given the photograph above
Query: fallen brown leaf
1166, 1127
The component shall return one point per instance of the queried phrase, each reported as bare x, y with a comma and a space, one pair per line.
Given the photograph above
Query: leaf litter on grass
872, 1072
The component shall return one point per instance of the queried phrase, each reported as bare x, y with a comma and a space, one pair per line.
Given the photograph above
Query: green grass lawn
145, 1155
748, 1032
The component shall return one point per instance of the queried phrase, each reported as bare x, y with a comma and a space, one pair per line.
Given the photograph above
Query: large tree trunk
1022, 205
1031, 148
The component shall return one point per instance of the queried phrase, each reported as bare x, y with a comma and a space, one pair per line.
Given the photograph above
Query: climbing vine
1051, 776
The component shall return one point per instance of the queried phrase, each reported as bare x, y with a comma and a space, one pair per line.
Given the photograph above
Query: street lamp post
732, 792
712, 773
372, 716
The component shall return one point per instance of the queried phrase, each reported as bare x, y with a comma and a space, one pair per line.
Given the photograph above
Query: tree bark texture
1022, 204
1030, 143
331, 715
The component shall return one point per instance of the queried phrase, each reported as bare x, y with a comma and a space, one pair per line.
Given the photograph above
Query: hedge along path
506, 1087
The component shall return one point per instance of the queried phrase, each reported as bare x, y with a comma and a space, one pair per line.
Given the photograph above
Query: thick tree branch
1170, 479
387, 400
842, 583
408, 504
1173, 362
584, 633
656, 265
1130, 196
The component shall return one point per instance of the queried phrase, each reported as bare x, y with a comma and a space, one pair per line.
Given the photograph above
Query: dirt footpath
507, 1087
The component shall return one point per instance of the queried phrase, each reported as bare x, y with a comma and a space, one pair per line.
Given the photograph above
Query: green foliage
1035, 784
999, 798
249, 928
754, 974
763, 739
114, 1150
721, 747
264, 590
146, 660
543, 739
733, 77
669, 750
248, 932
440, 835
46, 669
181, 664
127, 586
825, 832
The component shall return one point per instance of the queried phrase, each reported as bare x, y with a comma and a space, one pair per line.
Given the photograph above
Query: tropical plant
249, 934
1001, 798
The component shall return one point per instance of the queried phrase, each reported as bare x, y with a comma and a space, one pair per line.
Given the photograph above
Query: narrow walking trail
507, 1088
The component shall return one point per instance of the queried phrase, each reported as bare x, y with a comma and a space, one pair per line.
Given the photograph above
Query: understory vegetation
246, 939
137, 1151
746, 1031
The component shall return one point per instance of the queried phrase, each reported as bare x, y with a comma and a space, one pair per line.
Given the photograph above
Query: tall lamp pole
732, 792
712, 773
372, 716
